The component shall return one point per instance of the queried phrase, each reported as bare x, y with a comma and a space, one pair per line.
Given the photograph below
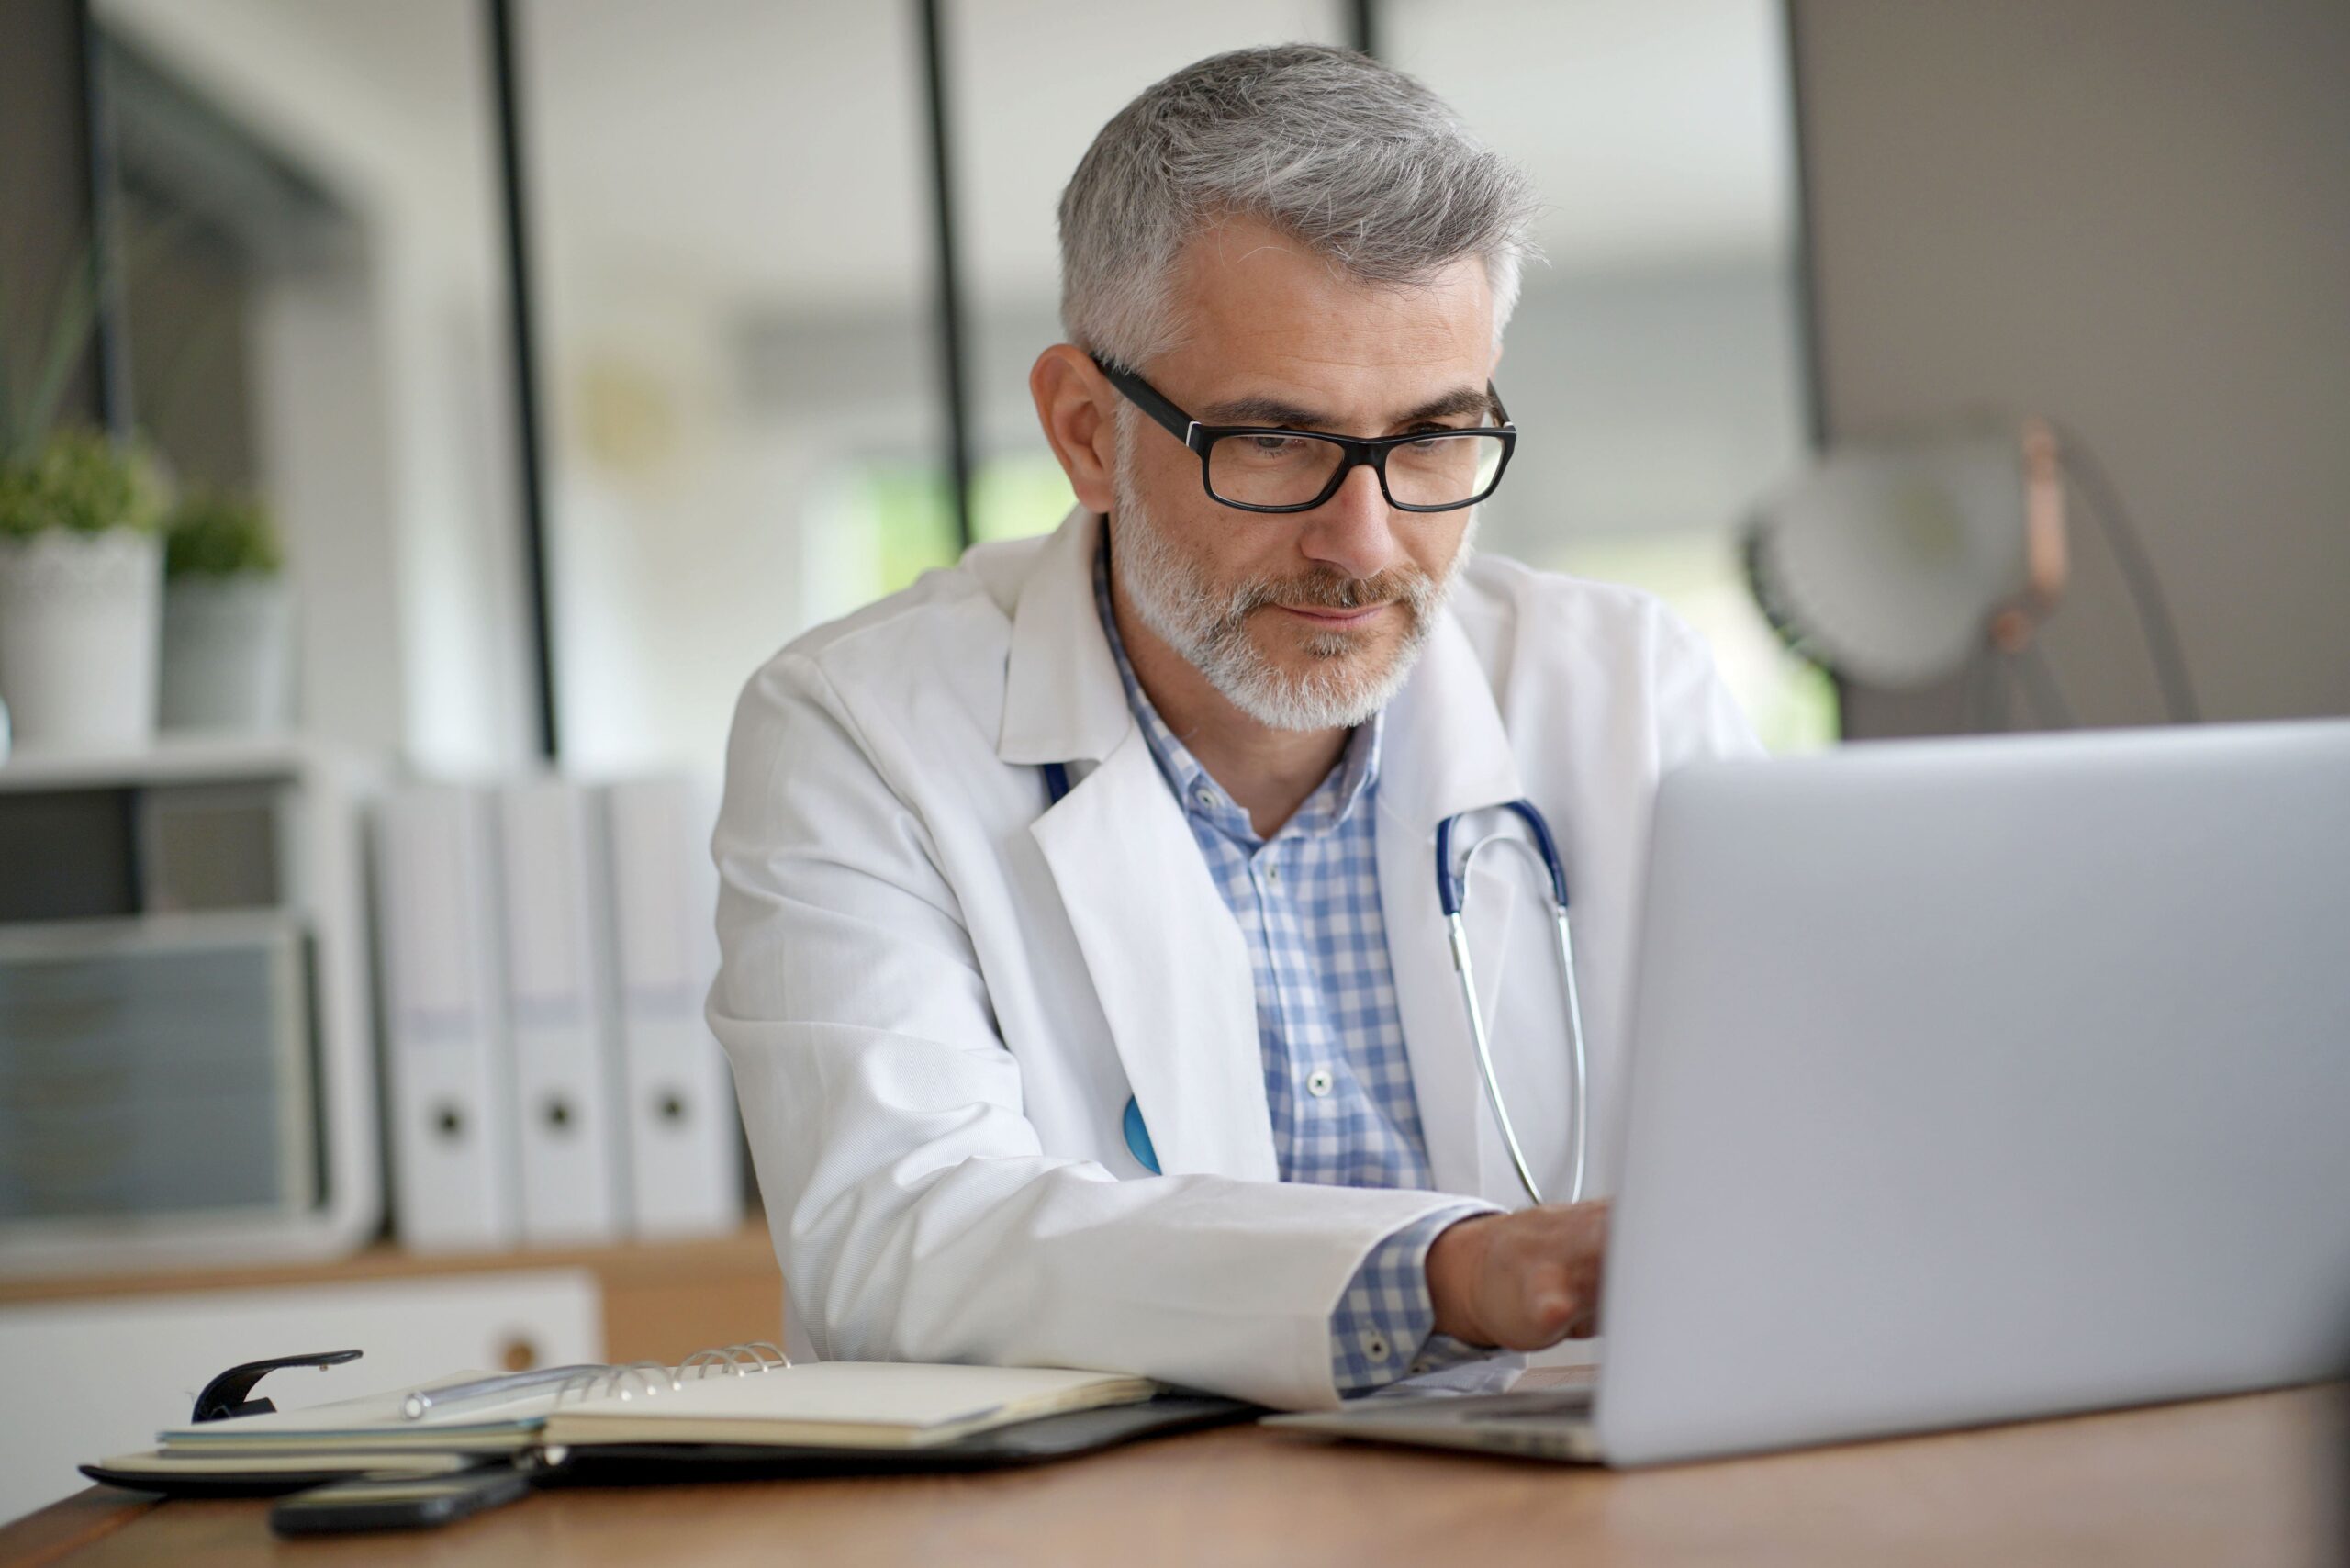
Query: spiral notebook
745, 1396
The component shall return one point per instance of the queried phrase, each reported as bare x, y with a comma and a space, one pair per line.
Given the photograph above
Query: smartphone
398, 1502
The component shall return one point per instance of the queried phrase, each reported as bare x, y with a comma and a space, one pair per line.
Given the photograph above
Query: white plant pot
79, 617
227, 645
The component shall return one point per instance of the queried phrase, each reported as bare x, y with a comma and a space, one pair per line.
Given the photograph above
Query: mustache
1335, 591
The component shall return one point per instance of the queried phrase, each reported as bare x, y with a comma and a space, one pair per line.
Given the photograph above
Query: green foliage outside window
903, 508
1791, 703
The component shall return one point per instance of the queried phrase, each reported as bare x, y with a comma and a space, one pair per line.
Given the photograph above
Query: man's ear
1074, 403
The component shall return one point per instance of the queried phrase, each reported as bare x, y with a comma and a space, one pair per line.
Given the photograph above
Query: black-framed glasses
1268, 468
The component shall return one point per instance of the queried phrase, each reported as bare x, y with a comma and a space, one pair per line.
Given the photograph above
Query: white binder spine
451, 1128
684, 1147
566, 1128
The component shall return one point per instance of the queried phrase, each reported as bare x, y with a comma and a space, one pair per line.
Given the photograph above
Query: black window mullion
530, 451
946, 269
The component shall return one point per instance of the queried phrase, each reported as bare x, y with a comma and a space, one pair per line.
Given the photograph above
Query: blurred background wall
45, 161
2133, 215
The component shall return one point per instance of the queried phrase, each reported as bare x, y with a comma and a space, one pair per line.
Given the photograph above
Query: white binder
565, 1132
684, 1146
452, 1124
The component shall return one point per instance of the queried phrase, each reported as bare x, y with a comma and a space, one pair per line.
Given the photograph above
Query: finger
1593, 1292
1553, 1301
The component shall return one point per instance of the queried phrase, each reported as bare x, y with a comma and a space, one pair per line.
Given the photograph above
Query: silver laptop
1972, 1080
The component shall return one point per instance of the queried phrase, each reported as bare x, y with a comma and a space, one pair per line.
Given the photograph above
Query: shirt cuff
1383, 1327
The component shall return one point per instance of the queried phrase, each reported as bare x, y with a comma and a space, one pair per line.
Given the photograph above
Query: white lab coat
937, 994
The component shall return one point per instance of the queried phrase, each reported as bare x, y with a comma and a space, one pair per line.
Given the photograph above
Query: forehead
1255, 301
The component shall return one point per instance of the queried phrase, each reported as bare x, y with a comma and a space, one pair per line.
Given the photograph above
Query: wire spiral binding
729, 1359
651, 1379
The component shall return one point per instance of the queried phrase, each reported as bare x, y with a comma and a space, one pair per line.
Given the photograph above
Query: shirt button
1273, 873
1319, 1083
1203, 794
1374, 1346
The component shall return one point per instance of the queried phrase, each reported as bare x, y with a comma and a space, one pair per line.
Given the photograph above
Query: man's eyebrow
1474, 400
1478, 400
1263, 411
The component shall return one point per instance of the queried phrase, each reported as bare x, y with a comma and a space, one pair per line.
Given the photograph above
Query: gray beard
1210, 628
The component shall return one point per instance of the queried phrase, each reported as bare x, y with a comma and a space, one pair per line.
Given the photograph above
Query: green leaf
215, 534
83, 481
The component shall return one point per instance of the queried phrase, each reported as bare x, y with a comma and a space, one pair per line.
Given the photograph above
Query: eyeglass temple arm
1147, 397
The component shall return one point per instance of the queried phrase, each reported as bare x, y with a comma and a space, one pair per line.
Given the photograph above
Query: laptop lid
1984, 1079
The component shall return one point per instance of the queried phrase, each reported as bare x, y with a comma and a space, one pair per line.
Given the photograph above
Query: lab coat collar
1062, 701
1446, 750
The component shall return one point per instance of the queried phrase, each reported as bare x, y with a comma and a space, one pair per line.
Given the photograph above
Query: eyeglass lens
1293, 470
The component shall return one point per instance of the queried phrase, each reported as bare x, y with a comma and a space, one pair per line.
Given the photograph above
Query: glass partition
732, 222
1033, 81
312, 298
731, 208
1654, 366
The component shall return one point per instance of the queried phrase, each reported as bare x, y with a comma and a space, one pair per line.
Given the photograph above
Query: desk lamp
1894, 564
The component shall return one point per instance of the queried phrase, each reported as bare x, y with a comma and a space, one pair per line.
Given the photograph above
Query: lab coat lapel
1167, 960
1169, 964
1446, 753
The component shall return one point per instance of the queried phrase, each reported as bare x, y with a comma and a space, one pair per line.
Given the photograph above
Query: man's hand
1521, 1281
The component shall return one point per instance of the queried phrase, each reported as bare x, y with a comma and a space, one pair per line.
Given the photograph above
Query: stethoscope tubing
1452, 893
1453, 896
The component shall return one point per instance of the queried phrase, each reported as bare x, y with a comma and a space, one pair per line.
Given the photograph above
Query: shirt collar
1347, 786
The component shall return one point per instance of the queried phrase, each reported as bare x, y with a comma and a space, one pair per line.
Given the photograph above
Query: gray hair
1361, 162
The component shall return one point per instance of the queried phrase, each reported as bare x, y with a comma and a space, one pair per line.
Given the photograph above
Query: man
1083, 976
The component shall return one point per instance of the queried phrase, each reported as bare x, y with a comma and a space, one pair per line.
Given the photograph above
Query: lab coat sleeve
915, 1212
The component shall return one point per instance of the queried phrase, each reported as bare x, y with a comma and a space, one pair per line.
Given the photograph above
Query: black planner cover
1030, 1442
254, 1483
652, 1464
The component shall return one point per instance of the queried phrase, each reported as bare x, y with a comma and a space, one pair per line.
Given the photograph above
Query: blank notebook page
861, 1404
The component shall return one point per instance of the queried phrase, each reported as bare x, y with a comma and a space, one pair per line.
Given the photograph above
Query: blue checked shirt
1337, 1080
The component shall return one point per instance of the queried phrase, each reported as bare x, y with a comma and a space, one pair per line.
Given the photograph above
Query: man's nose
1352, 531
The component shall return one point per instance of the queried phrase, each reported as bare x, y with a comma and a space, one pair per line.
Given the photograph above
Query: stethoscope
1452, 895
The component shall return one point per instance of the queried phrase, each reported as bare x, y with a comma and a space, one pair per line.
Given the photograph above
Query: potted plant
228, 616
81, 582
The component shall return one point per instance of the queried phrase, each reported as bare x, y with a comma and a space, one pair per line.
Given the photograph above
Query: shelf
661, 1299
747, 1250
169, 759
81, 934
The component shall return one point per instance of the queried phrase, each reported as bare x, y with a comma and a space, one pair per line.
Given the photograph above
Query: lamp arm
2128, 549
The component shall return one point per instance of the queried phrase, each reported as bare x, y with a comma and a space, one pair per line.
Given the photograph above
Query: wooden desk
2239, 1482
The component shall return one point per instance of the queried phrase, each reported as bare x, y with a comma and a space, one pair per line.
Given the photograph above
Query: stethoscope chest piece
1138, 1137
